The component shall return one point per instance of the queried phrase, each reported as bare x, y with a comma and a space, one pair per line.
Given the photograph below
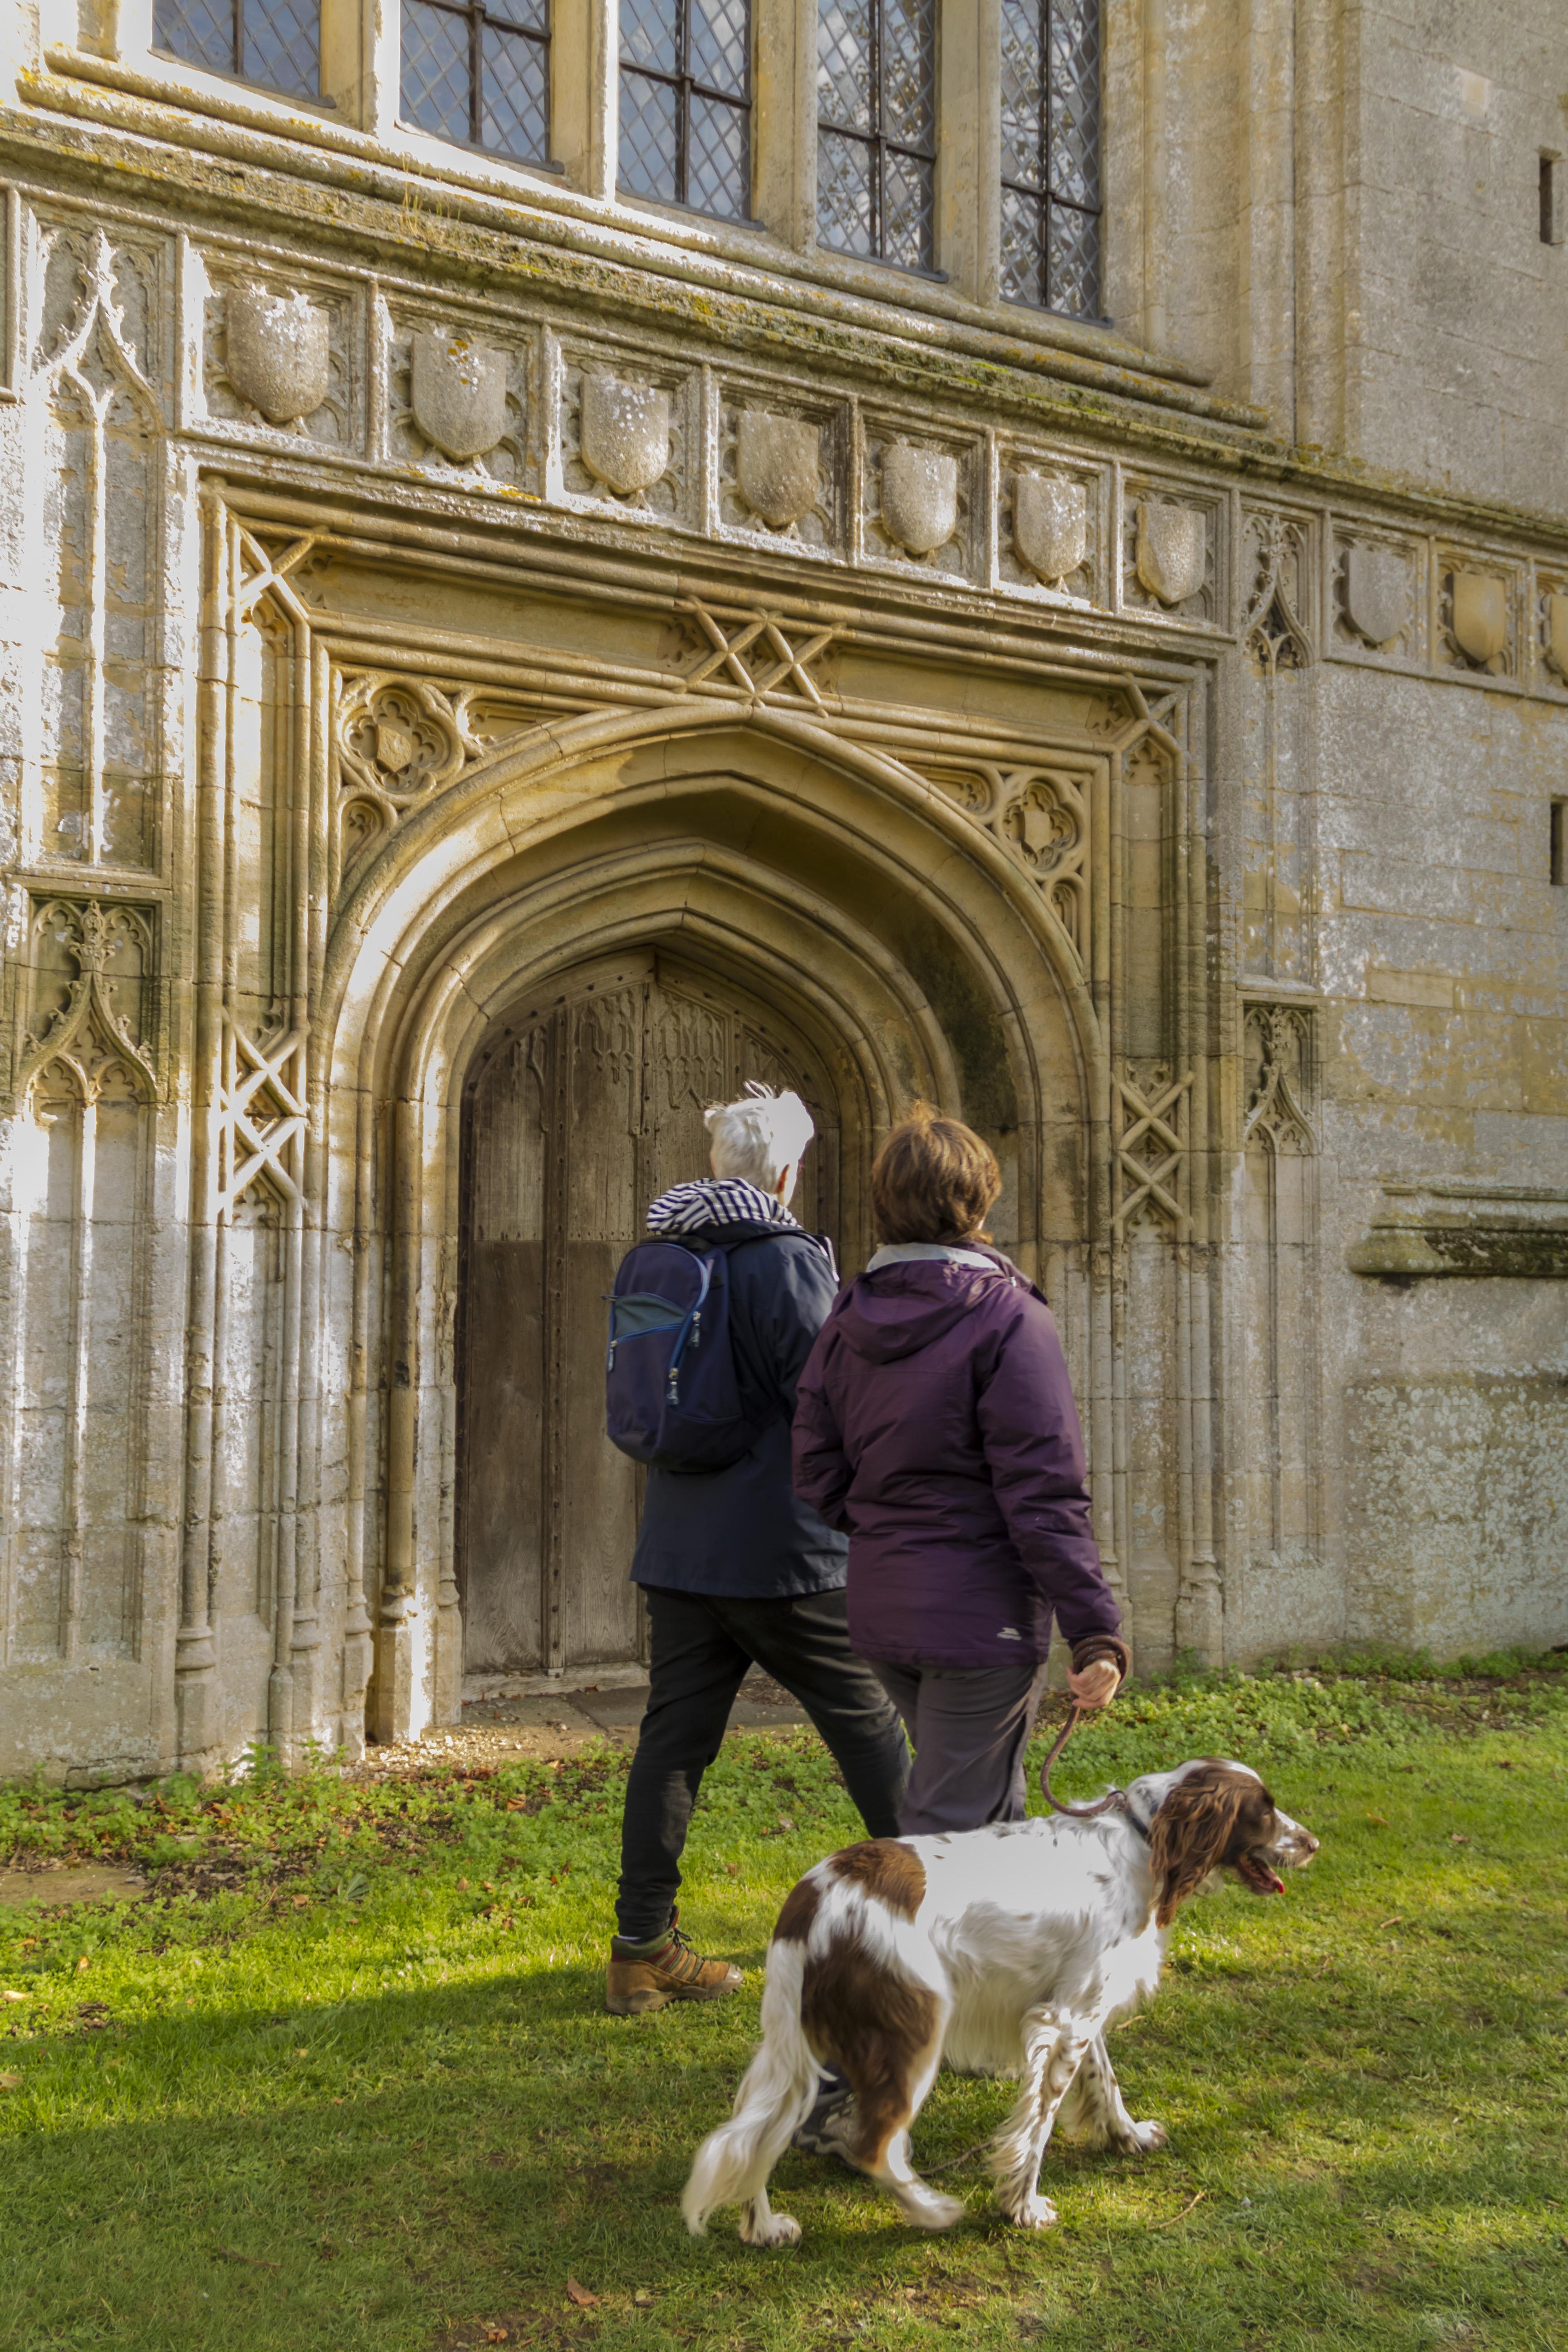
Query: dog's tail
732, 2165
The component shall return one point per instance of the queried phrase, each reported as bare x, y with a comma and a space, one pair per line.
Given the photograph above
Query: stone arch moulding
758, 847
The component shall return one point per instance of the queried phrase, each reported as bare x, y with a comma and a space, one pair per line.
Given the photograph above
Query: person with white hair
736, 1571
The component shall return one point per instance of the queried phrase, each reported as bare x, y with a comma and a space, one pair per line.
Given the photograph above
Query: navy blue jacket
741, 1532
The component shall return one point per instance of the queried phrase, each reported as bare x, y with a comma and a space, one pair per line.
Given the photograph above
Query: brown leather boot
644, 1977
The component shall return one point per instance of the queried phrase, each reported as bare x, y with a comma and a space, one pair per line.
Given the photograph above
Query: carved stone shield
776, 464
919, 497
1377, 592
1172, 553
1557, 633
625, 432
277, 351
1480, 614
457, 390
1050, 525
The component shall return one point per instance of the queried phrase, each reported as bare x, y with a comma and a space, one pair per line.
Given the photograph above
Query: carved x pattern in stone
269, 571
261, 1112
1151, 1132
774, 668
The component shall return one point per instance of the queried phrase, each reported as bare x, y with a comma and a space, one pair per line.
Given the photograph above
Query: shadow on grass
394, 2163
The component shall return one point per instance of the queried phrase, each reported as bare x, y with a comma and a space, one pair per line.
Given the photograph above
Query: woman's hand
1096, 1685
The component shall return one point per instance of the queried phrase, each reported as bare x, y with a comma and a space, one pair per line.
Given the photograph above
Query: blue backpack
672, 1390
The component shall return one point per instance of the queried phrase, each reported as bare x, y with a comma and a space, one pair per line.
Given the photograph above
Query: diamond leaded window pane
907, 48
717, 158
908, 204
438, 70
686, 109
1023, 82
846, 72
1050, 154
276, 44
200, 31
845, 217
1022, 259
649, 160
514, 89
721, 46
876, 108
480, 73
280, 45
650, 34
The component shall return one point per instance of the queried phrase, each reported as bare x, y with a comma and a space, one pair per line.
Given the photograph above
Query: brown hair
933, 1179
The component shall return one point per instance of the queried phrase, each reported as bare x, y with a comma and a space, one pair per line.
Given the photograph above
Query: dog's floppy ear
1191, 1832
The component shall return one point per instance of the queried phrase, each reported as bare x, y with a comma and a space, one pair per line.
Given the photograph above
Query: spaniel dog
1004, 1951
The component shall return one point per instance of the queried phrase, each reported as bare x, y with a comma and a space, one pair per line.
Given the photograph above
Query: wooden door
581, 1107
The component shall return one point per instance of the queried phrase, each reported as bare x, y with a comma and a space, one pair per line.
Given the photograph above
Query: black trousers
703, 1647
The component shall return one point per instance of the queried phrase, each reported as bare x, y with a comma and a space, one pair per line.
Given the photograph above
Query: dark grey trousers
969, 1730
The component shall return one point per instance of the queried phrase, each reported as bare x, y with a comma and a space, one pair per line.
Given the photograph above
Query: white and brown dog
1004, 1951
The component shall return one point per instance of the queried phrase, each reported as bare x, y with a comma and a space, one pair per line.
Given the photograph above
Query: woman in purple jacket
935, 1424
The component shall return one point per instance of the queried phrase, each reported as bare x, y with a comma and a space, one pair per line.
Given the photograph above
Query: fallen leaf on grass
733, 1868
1378, 1821
643, 2297
82, 1966
10, 2081
8, 1995
1457, 1837
300, 1901
579, 2295
496, 2334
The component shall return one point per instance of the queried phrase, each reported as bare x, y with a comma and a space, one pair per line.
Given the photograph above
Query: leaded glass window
277, 43
1050, 154
876, 128
685, 103
478, 71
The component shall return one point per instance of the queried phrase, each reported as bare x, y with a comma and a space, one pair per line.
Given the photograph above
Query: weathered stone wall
438, 599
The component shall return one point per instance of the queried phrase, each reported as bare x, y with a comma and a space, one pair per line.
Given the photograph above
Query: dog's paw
932, 2209
1035, 2212
777, 2230
1143, 2139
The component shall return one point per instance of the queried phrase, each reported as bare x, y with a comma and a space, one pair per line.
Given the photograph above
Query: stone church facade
1003, 550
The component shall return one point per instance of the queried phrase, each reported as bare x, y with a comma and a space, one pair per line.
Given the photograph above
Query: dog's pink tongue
1275, 1885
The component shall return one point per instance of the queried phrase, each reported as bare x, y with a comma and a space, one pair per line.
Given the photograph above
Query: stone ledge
1509, 1230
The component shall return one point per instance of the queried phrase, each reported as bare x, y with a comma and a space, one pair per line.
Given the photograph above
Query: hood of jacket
911, 1296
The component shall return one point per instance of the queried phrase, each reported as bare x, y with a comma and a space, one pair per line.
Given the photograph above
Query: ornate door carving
582, 1105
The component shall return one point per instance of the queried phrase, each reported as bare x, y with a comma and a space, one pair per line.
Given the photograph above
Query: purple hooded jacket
935, 1424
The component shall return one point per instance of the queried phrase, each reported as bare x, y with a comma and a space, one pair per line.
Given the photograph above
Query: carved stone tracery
1274, 626
1278, 1059
1040, 814
87, 1038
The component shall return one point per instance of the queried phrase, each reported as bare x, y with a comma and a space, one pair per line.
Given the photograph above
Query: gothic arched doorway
581, 1104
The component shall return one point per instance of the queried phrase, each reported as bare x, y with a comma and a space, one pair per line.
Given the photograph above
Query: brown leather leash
1114, 1800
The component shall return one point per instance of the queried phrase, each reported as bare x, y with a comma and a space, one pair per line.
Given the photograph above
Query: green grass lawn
345, 2080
